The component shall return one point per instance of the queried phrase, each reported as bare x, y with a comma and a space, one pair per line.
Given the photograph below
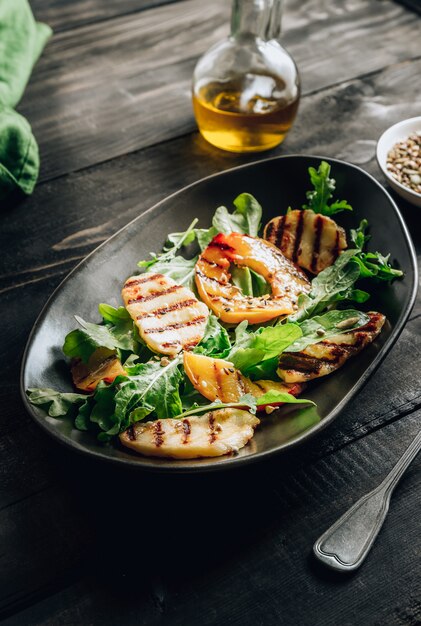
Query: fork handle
344, 546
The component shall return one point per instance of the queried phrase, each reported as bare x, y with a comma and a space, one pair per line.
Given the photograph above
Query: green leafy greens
249, 402
323, 191
115, 335
58, 403
322, 327
148, 388
371, 264
329, 286
216, 342
255, 353
175, 241
245, 219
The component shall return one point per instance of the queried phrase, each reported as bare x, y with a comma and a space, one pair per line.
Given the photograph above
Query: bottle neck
256, 18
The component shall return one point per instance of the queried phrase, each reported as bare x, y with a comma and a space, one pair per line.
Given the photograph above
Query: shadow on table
166, 533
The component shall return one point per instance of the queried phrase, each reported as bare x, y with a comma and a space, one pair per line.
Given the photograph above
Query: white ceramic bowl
392, 135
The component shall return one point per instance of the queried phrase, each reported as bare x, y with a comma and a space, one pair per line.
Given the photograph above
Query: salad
222, 327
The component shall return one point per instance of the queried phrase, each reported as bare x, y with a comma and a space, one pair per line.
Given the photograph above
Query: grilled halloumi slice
322, 358
212, 434
311, 240
169, 316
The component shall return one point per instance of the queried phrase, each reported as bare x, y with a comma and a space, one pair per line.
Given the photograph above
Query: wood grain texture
242, 547
40, 548
148, 59
64, 15
233, 549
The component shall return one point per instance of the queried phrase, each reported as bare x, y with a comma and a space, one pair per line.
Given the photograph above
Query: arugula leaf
82, 343
250, 283
181, 270
82, 421
323, 188
324, 326
112, 315
252, 350
375, 265
176, 241
353, 295
358, 235
259, 285
371, 264
241, 277
216, 341
77, 343
330, 283
149, 388
151, 385
275, 397
57, 403
204, 236
190, 397
265, 370
248, 402
245, 219
102, 412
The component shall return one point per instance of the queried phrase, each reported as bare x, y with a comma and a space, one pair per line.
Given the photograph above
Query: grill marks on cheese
311, 240
322, 358
213, 434
213, 279
169, 317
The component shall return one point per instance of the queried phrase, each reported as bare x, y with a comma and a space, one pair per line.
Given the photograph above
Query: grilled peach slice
311, 240
217, 379
226, 300
103, 364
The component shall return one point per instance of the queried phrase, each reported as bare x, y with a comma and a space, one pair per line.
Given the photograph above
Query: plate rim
230, 462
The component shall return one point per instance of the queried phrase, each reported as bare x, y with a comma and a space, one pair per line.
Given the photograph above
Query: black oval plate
277, 183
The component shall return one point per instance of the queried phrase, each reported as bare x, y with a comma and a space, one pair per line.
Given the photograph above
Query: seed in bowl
404, 162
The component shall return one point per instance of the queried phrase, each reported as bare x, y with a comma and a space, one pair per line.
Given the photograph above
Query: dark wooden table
82, 543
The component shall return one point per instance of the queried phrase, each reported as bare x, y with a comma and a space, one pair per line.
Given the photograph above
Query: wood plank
43, 542
64, 15
242, 548
146, 96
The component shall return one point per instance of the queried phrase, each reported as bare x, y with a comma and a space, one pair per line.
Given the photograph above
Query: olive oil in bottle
237, 120
246, 89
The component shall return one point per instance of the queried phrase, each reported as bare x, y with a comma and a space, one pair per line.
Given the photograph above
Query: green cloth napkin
21, 42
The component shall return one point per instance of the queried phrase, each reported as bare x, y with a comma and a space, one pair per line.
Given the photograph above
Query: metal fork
344, 546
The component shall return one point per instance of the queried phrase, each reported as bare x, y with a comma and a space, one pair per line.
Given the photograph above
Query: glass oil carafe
246, 89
